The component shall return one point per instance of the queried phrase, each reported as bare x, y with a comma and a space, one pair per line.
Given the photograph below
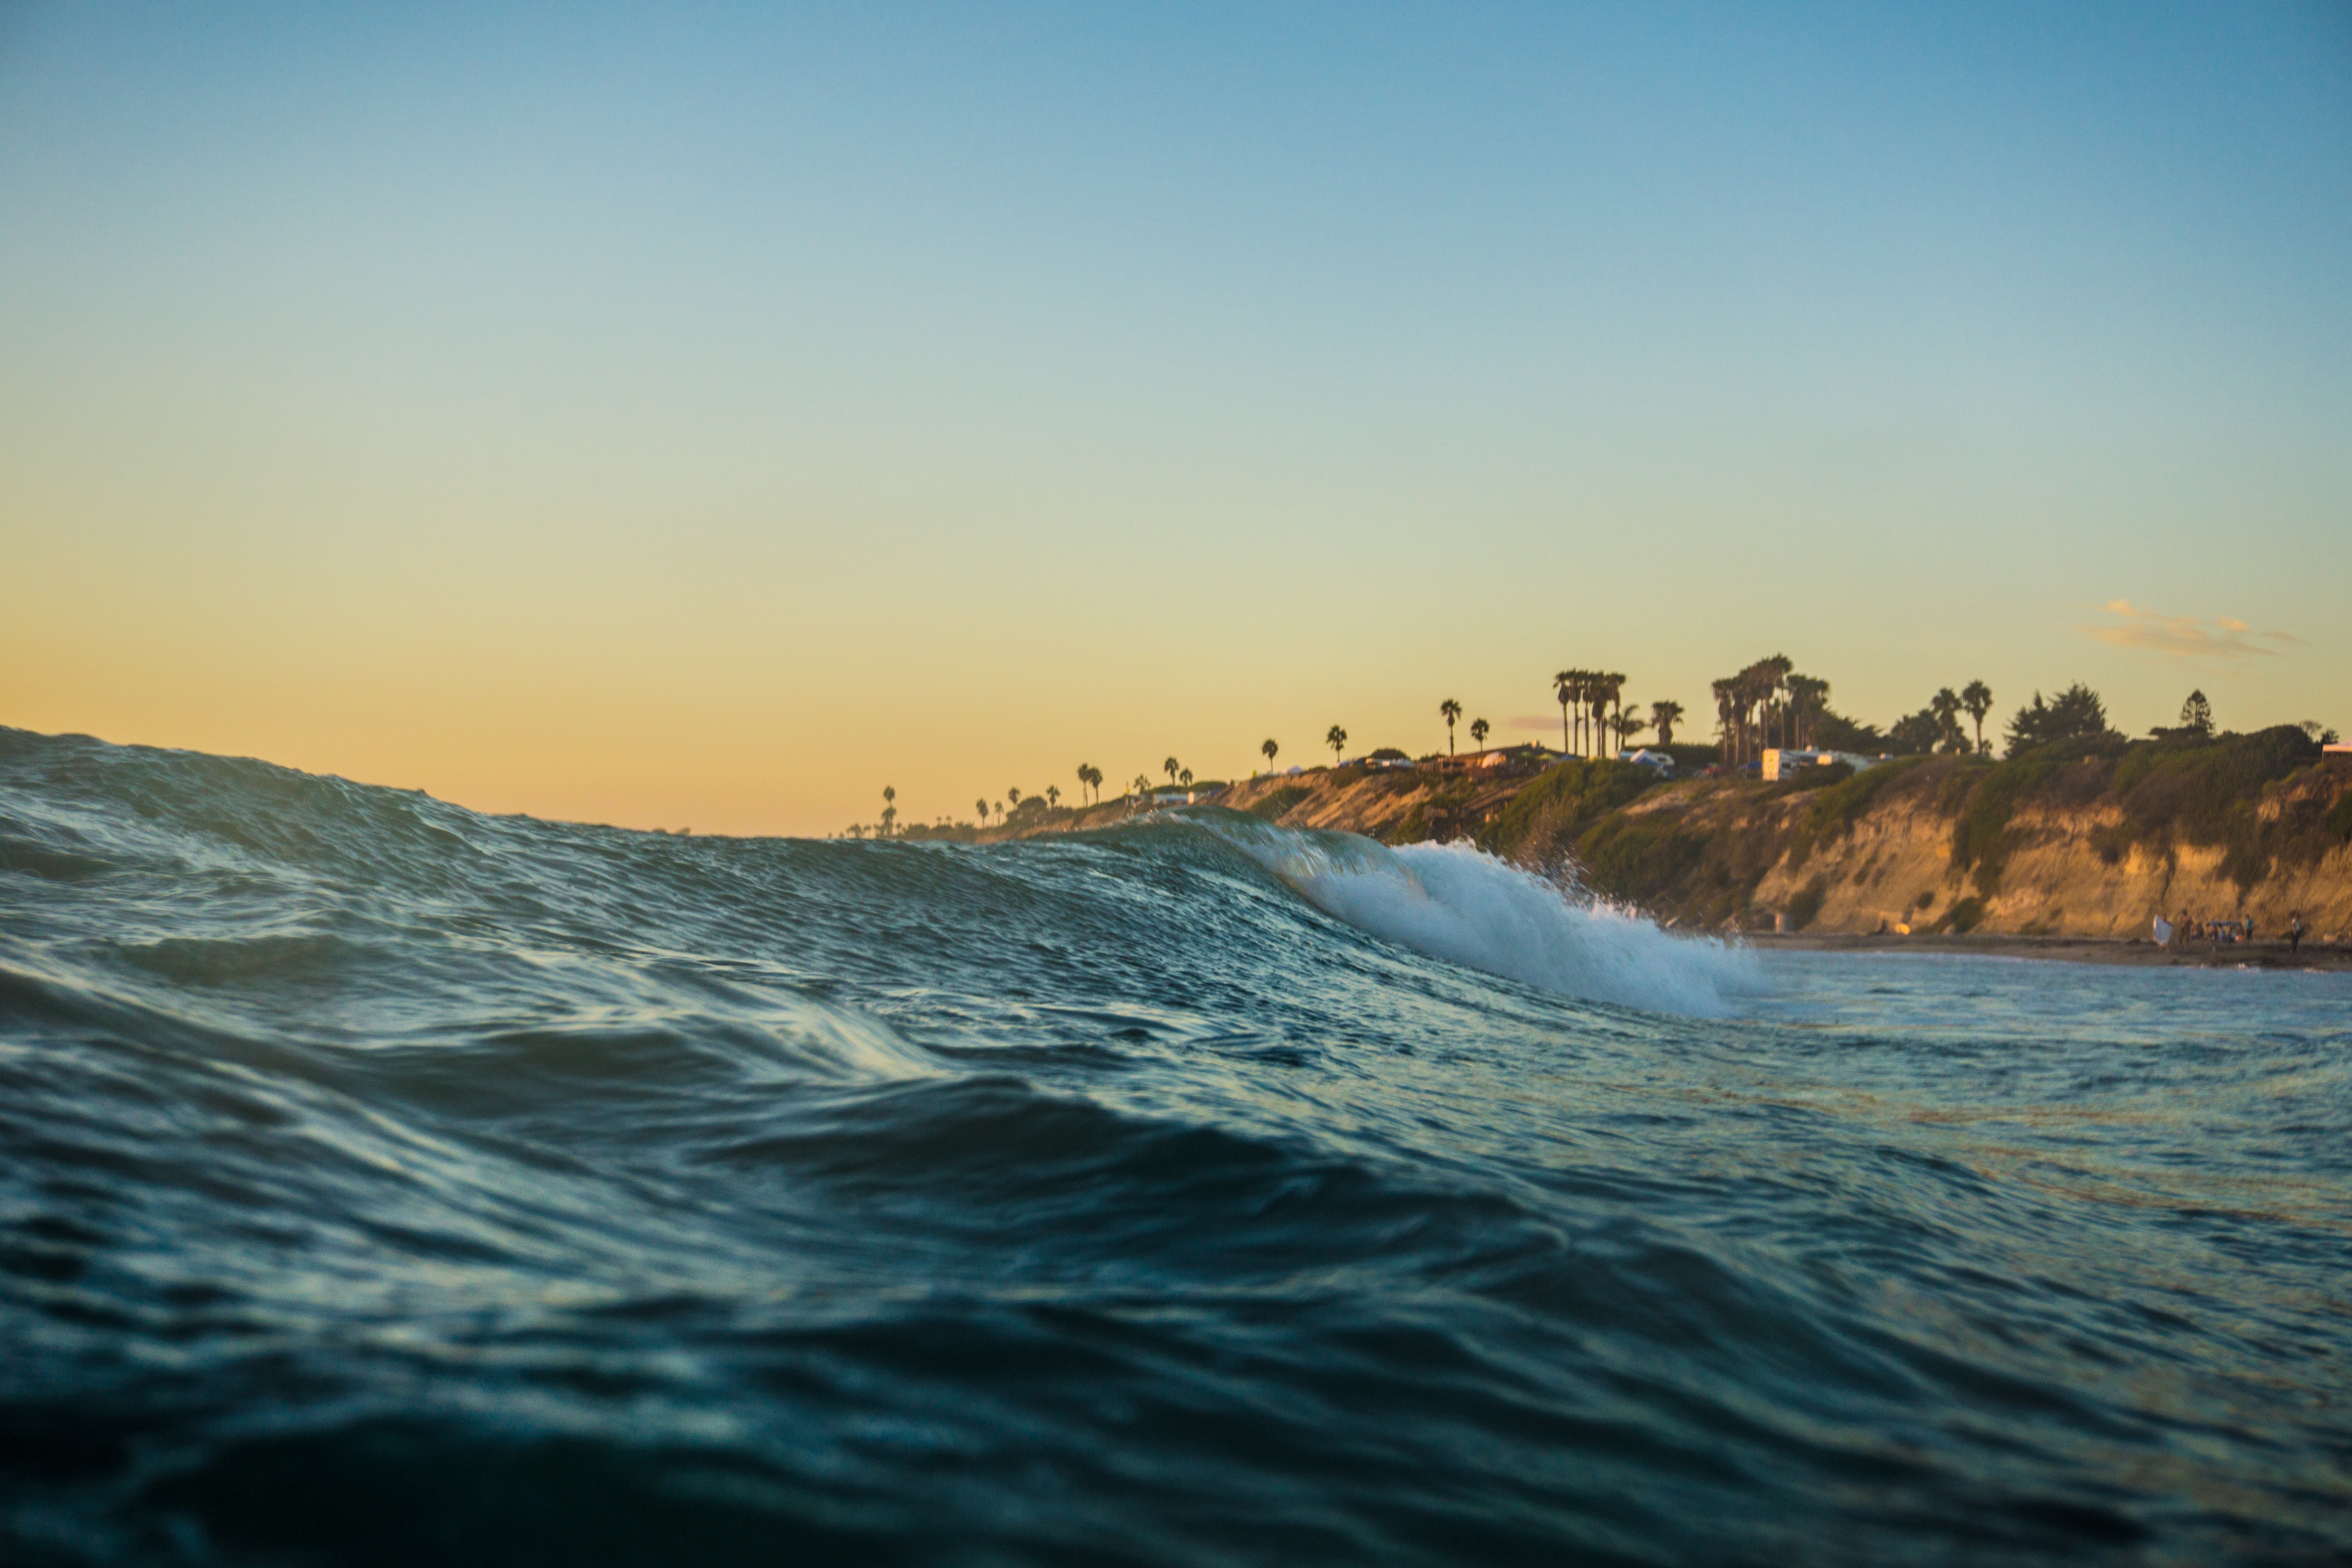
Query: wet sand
2072, 949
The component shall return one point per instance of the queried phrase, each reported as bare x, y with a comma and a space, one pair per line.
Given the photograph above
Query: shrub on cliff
1840, 805
1547, 816
1274, 804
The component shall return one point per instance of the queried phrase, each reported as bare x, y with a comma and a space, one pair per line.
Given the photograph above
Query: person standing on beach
2294, 931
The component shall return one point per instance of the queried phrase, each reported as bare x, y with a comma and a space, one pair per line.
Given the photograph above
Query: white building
1780, 764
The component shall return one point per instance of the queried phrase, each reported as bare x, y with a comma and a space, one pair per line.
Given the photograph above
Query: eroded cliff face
2095, 847
1897, 866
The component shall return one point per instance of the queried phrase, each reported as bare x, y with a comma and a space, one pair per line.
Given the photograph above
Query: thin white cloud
1542, 722
2182, 636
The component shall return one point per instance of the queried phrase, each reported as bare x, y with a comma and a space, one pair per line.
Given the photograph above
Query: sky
705, 417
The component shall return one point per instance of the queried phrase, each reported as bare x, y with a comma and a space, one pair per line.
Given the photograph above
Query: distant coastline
2082, 841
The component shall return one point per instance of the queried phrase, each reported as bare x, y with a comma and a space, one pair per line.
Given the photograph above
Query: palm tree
1946, 706
1142, 786
1478, 733
889, 808
1807, 697
1271, 749
1185, 778
980, 806
1449, 710
1335, 738
1086, 777
1169, 768
1664, 717
1567, 686
1609, 687
1052, 796
1977, 698
1013, 793
1726, 722
1627, 728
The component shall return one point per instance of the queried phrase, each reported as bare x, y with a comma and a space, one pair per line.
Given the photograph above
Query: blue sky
613, 413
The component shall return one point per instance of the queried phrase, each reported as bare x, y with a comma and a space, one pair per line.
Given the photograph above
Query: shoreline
2066, 949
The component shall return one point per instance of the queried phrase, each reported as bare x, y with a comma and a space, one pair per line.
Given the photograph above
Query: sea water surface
385, 1183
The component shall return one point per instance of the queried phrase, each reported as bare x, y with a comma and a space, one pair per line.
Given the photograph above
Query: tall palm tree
980, 806
1449, 710
1946, 706
1271, 750
1086, 777
1567, 686
1052, 796
1142, 786
1609, 695
1478, 733
889, 808
1977, 698
1013, 793
1807, 696
1185, 778
1335, 738
1168, 767
1726, 722
1627, 728
1664, 717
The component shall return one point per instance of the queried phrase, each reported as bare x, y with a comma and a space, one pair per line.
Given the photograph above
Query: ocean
383, 1183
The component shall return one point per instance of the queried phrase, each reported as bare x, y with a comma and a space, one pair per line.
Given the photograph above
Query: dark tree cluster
2074, 715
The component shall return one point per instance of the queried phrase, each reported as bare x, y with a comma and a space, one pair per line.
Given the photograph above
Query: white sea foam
1455, 902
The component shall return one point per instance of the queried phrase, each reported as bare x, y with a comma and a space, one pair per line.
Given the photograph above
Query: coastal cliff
2091, 843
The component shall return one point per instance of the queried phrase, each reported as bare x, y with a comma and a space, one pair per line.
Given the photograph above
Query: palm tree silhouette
1478, 733
1335, 738
1185, 778
1664, 717
1271, 749
1568, 687
1169, 768
980, 806
1449, 710
1808, 695
1977, 698
1946, 706
1607, 688
889, 808
1052, 796
1013, 793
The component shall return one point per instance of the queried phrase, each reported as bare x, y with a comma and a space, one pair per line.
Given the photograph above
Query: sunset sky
706, 416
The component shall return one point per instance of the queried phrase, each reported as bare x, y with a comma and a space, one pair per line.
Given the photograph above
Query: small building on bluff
1783, 765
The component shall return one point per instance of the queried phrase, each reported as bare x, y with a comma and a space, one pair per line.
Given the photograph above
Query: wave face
383, 1183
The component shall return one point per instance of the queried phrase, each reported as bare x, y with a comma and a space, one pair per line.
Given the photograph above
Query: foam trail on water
1463, 905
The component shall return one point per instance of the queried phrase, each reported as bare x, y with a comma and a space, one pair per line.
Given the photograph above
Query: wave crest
1458, 903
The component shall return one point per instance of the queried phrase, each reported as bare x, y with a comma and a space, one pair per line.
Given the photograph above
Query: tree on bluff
2074, 715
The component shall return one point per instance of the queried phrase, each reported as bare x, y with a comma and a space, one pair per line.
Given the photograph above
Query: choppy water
381, 1182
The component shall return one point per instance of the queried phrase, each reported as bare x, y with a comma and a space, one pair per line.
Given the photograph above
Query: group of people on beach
2220, 933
